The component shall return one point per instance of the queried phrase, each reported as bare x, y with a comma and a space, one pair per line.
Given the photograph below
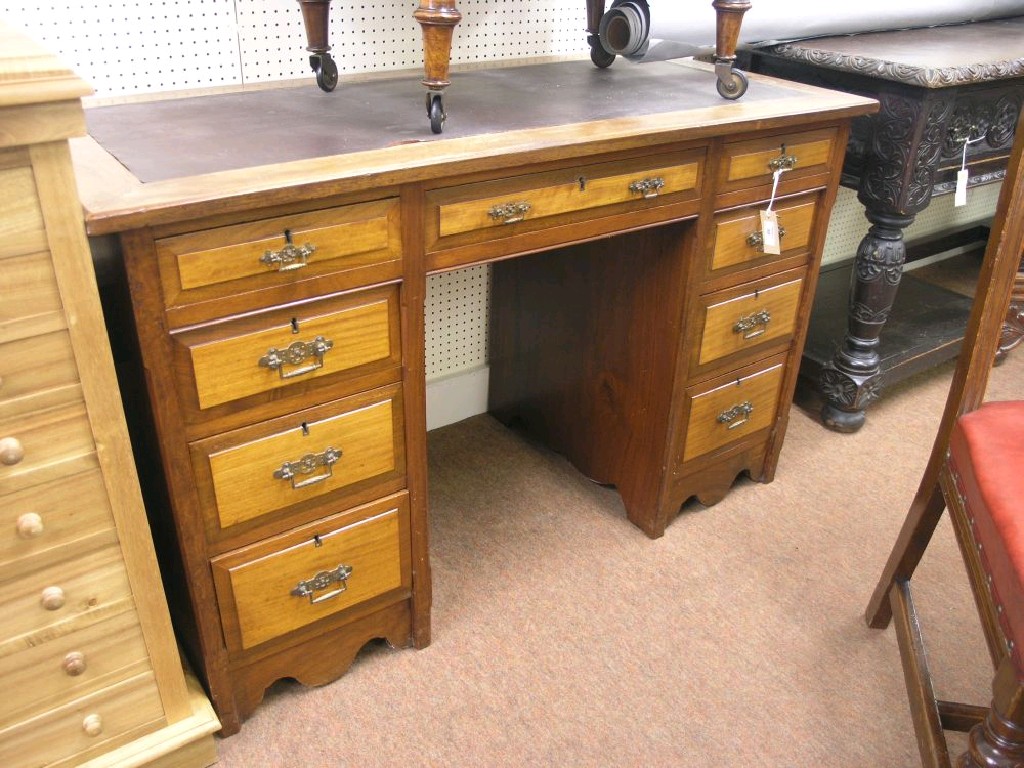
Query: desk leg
438, 19
896, 184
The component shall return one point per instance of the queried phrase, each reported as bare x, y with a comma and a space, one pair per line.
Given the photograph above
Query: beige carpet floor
564, 637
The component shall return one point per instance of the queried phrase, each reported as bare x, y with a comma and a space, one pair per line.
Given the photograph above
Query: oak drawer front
45, 446
79, 592
729, 412
500, 208
738, 323
278, 250
56, 520
31, 304
21, 220
233, 360
37, 372
87, 726
70, 666
752, 163
736, 239
299, 458
316, 571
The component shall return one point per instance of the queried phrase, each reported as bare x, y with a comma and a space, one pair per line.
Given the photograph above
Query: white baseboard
456, 397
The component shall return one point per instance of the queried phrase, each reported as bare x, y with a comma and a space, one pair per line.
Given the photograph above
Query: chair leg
925, 512
999, 741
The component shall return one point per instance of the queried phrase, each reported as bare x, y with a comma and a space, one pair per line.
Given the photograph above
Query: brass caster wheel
602, 59
734, 86
435, 111
326, 71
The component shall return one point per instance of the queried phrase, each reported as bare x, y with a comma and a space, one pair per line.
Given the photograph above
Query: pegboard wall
139, 46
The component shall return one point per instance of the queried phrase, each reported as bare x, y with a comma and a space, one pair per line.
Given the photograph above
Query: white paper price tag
960, 196
770, 241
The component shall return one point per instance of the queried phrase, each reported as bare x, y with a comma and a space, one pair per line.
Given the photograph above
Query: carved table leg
1013, 327
896, 184
438, 19
850, 381
732, 83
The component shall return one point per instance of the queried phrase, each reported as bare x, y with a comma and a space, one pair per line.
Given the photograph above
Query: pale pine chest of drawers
638, 326
88, 658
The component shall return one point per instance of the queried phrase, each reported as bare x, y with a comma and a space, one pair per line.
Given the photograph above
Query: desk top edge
115, 200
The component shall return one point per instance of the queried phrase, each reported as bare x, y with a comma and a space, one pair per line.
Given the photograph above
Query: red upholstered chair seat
986, 457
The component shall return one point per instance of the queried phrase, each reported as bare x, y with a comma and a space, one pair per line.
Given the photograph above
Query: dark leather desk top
175, 138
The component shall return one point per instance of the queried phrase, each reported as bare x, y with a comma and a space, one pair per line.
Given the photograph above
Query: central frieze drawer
742, 319
304, 457
499, 208
225, 260
724, 413
313, 572
351, 333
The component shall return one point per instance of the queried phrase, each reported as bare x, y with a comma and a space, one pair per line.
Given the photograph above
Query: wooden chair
976, 470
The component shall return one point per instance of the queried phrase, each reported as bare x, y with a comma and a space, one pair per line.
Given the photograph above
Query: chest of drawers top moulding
116, 200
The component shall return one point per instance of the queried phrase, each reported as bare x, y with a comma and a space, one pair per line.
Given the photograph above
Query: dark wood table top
933, 57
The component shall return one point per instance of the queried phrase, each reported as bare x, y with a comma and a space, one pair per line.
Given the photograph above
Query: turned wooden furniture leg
1013, 325
998, 742
438, 19
315, 18
598, 55
728, 18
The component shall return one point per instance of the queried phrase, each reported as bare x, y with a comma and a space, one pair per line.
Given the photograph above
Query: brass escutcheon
288, 258
307, 465
783, 162
647, 187
753, 325
509, 213
730, 416
323, 580
297, 353
756, 239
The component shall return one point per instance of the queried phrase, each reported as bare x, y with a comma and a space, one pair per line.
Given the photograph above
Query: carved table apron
938, 88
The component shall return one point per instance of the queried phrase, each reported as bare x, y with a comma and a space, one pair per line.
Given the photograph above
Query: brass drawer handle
297, 353
752, 326
730, 416
288, 258
647, 187
307, 465
783, 162
756, 239
323, 580
509, 213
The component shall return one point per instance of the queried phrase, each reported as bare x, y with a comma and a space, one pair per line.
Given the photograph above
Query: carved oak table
939, 88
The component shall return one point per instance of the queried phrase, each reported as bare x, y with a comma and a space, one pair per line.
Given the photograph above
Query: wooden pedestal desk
89, 664
276, 261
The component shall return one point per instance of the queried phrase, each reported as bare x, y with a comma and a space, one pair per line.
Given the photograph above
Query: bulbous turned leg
732, 83
437, 19
315, 21
851, 380
996, 743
